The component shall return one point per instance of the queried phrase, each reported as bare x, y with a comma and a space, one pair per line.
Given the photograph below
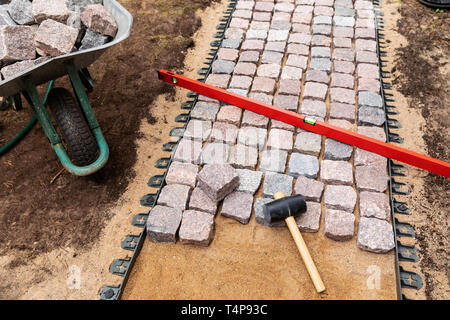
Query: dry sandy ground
414, 126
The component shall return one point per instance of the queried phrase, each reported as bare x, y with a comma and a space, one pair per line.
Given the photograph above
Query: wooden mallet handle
303, 249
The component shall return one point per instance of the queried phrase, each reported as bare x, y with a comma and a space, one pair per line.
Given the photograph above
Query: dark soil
424, 65
36, 215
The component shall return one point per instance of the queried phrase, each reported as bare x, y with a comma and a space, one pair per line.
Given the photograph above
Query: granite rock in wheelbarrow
163, 223
196, 228
80, 5
218, 180
54, 38
5, 18
99, 19
11, 70
21, 11
50, 9
17, 43
93, 39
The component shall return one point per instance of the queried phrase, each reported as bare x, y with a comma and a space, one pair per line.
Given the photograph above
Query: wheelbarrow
79, 128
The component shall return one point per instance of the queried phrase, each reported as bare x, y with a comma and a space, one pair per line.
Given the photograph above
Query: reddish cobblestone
342, 95
201, 202
245, 69
374, 205
196, 228
218, 180
297, 48
342, 111
174, 196
371, 178
238, 206
365, 70
230, 114
342, 80
228, 54
182, 173
315, 90
344, 66
310, 189
339, 225
336, 172
340, 198
163, 223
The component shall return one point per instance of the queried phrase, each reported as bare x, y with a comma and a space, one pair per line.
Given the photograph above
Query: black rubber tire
74, 130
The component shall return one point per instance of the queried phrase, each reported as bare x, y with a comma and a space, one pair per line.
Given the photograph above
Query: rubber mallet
287, 208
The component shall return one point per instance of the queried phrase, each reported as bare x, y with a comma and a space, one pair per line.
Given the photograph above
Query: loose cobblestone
218, 180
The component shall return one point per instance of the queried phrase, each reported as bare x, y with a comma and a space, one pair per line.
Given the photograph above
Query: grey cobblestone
256, 34
320, 40
241, 82
335, 150
277, 182
231, 43
273, 160
275, 124
249, 56
320, 52
272, 57
370, 99
277, 46
321, 20
344, 66
281, 25
278, 35
321, 64
250, 180
234, 33
371, 116
344, 54
317, 76
343, 21
205, 111
303, 165
323, 29
260, 25
308, 143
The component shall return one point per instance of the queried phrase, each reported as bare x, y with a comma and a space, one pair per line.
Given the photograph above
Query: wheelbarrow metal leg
41, 113
86, 79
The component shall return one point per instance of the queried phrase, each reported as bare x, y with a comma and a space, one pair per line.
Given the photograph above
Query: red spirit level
382, 148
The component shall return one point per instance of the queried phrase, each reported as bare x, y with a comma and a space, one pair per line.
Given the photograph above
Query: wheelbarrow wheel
74, 130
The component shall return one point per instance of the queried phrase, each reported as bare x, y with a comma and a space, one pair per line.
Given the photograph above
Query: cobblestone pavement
315, 57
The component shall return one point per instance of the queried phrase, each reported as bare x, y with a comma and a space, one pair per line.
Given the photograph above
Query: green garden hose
27, 128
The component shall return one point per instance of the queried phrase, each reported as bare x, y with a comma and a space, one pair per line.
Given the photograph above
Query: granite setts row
315, 57
31, 32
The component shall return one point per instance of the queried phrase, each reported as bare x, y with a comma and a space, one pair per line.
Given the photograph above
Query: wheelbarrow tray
56, 67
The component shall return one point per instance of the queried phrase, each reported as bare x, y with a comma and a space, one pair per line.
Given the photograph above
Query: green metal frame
81, 81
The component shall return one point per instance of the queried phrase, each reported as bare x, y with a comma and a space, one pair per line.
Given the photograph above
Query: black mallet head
282, 208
